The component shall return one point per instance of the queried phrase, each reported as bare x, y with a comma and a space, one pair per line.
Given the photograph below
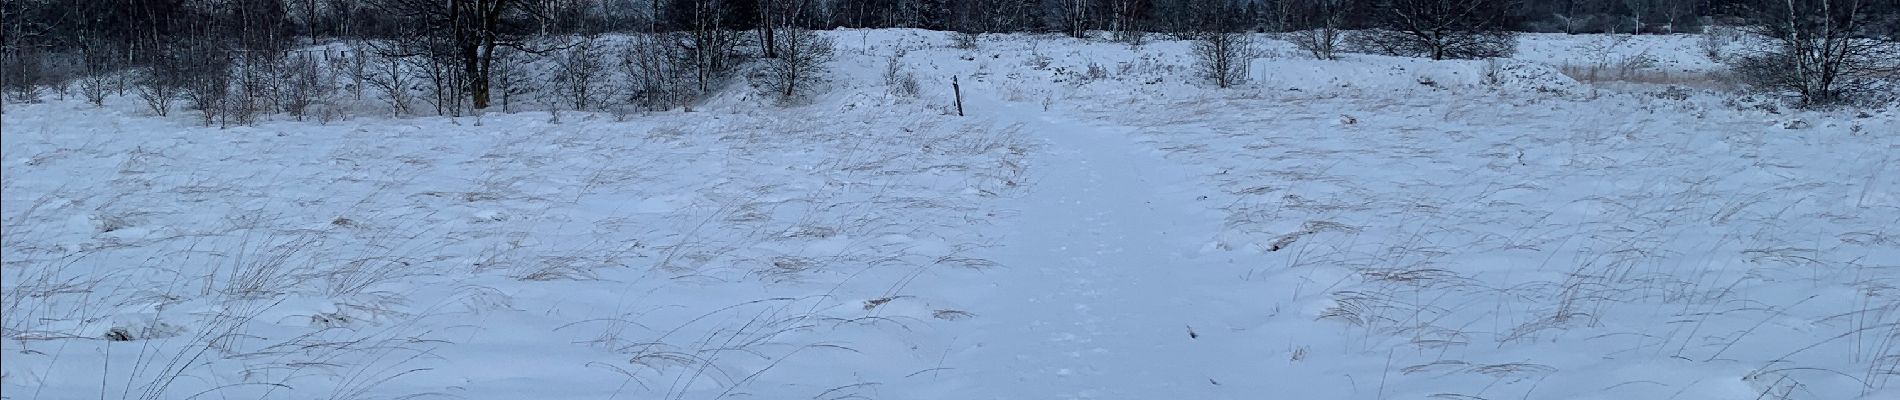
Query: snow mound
1356, 72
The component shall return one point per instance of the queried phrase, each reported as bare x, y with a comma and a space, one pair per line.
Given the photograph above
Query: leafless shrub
512, 78
1718, 42
1321, 43
1095, 72
708, 51
20, 74
1489, 44
1131, 37
1317, 25
305, 83
964, 40
657, 71
1223, 57
352, 62
1822, 50
1613, 68
448, 84
388, 74
1440, 29
203, 72
801, 63
96, 81
578, 72
157, 91
262, 83
62, 69
897, 80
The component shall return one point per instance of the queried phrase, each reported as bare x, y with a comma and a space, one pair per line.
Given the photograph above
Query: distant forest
69, 24
173, 44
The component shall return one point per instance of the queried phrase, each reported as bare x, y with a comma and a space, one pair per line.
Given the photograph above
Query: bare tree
1639, 13
1224, 47
1673, 12
1824, 50
801, 62
802, 57
449, 85
255, 76
657, 71
1315, 26
100, 62
166, 77
157, 91
709, 34
1071, 16
467, 34
1223, 57
306, 83
205, 76
512, 78
1440, 29
20, 74
578, 72
1127, 18
388, 75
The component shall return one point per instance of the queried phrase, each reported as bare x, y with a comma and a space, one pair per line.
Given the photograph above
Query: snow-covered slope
1101, 225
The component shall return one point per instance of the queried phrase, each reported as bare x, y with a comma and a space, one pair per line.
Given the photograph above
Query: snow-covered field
1101, 226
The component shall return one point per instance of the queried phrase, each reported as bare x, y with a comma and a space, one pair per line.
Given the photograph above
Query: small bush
389, 76
305, 84
1466, 45
1825, 53
578, 74
801, 63
20, 76
1440, 30
1222, 57
897, 80
964, 40
659, 74
1718, 42
100, 67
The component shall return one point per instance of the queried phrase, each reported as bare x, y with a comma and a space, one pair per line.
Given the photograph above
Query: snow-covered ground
1100, 226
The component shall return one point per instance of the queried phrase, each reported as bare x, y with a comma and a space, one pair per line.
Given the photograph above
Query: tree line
233, 58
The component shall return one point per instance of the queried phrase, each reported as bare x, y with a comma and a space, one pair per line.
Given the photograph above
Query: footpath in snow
1110, 291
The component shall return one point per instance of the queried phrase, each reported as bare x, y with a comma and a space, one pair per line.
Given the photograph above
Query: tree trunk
478, 77
481, 52
768, 35
770, 40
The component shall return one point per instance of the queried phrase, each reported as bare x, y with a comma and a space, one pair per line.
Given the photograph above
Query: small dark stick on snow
958, 89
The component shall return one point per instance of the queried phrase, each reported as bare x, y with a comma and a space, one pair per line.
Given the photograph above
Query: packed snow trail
1102, 294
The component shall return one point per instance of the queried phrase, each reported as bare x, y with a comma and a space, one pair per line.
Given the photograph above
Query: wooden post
954, 87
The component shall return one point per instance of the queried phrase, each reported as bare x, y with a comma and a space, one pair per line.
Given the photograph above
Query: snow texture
1100, 226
